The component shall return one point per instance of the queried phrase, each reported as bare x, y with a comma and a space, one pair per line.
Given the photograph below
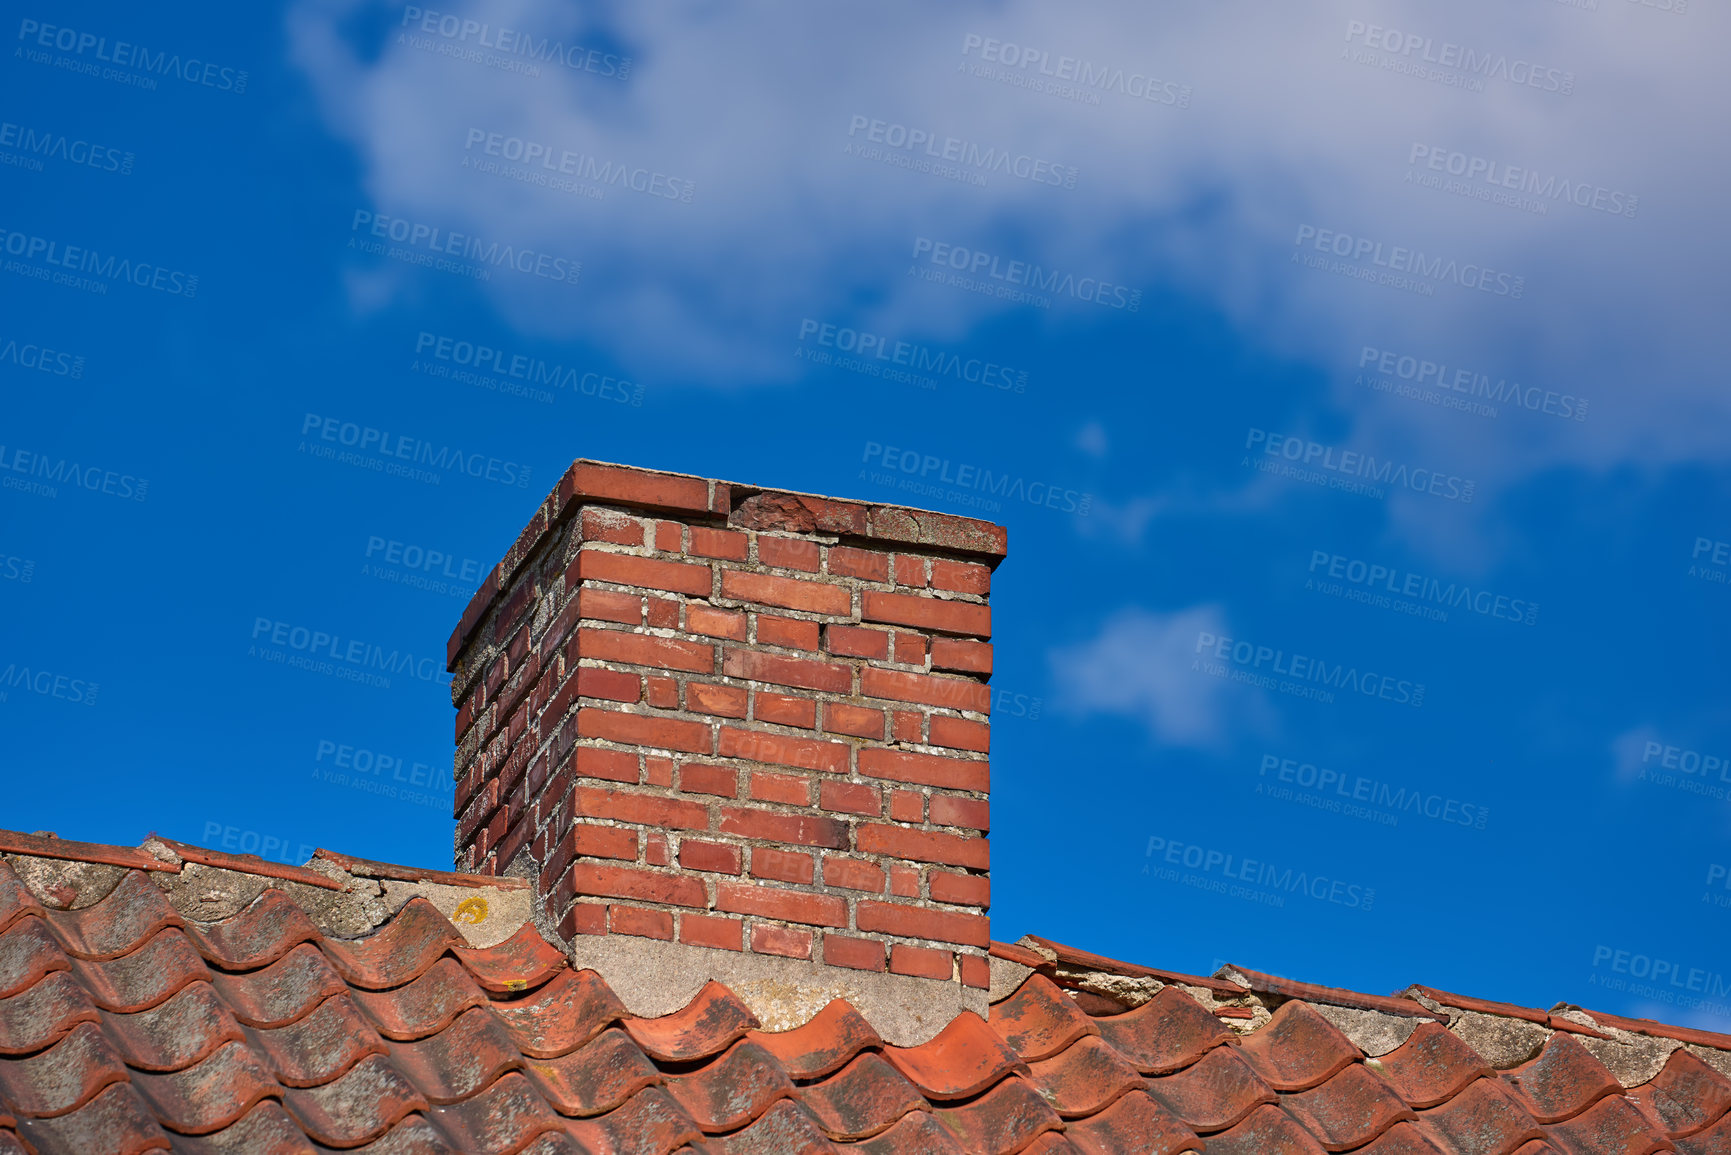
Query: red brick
715, 623
673, 576
841, 718
921, 962
722, 781
604, 841
786, 788
722, 701
641, 809
767, 938
957, 654
905, 881
918, 922
643, 730
789, 633
924, 846
927, 613
609, 606
782, 865
657, 771
910, 649
617, 766
669, 537
655, 851
789, 593
925, 769
644, 885
784, 750
907, 725
861, 954
719, 857
781, 905
853, 642
853, 874
783, 670
960, 889
910, 570
907, 806
628, 485
663, 613
976, 971
584, 918
975, 813
962, 577
850, 798
721, 543
785, 710
707, 930
645, 650
614, 528
931, 689
845, 561
798, 829
662, 693
788, 552
634, 920
961, 734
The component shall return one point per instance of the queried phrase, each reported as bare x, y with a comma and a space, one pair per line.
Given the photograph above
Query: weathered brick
609, 606
644, 730
962, 577
907, 806
583, 918
642, 809
711, 698
924, 846
788, 593
905, 881
782, 865
767, 938
714, 623
910, 570
845, 561
783, 750
603, 841
790, 789
798, 829
708, 930
614, 686
785, 710
634, 920
718, 857
727, 544
669, 537
931, 689
645, 650
925, 769
662, 693
784, 670
696, 778
783, 905
920, 922
853, 874
789, 633
850, 798
960, 889
861, 954
859, 721
613, 527
976, 971
921, 962
854, 642
948, 810
662, 613
788, 553
648, 573
605, 881
927, 613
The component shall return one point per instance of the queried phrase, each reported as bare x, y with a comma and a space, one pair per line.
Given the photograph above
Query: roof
128, 1026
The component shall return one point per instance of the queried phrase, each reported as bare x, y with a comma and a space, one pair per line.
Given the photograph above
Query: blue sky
1376, 350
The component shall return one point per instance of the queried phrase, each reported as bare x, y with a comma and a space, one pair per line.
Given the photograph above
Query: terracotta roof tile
260, 1033
250, 864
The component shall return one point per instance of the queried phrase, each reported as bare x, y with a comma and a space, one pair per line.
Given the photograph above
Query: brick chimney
741, 734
